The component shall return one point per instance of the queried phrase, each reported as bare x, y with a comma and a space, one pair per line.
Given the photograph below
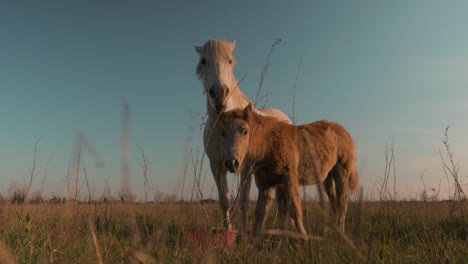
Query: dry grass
401, 232
388, 231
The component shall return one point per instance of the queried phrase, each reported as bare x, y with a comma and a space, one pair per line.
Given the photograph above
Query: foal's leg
330, 189
296, 210
283, 205
341, 182
219, 173
264, 201
246, 181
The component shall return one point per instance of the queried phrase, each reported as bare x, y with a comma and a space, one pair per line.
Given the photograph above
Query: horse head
236, 131
216, 70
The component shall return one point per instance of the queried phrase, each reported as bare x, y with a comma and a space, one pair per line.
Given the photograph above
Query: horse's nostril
226, 91
211, 92
236, 164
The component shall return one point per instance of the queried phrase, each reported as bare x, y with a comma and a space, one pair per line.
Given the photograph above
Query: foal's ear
198, 49
248, 110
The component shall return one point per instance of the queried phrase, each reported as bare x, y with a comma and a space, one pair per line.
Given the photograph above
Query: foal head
237, 135
216, 69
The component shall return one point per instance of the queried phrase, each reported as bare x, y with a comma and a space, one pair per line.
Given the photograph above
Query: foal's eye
230, 61
203, 61
243, 131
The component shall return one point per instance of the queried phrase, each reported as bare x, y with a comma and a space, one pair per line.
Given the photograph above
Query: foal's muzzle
232, 165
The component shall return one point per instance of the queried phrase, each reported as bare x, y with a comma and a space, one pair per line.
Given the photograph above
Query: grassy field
377, 232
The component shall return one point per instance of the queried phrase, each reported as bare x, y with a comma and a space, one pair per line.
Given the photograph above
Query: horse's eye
222, 133
230, 61
203, 61
243, 131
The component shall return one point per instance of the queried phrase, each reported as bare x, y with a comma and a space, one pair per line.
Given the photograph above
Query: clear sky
393, 69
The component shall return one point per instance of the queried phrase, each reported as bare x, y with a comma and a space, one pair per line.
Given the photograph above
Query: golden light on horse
285, 156
215, 69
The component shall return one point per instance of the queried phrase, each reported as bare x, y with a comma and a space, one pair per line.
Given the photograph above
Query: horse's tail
353, 182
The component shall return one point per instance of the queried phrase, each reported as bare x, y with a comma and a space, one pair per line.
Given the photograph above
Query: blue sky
394, 69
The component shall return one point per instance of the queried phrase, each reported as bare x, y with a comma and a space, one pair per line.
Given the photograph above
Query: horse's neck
212, 115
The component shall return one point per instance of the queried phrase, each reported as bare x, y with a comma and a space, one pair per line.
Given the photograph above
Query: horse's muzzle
220, 108
232, 165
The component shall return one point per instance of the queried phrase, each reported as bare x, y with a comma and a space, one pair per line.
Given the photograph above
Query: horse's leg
264, 201
219, 173
283, 204
246, 181
341, 182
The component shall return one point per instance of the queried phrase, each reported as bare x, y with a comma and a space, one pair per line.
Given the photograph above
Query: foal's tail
353, 181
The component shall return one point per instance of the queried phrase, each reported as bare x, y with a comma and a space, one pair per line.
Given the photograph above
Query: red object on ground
218, 238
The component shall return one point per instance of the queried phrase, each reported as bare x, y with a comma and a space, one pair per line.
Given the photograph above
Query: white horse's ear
198, 49
232, 44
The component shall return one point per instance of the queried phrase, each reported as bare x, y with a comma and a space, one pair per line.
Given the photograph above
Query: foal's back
322, 146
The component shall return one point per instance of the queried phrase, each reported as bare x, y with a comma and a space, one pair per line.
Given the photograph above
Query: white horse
216, 69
